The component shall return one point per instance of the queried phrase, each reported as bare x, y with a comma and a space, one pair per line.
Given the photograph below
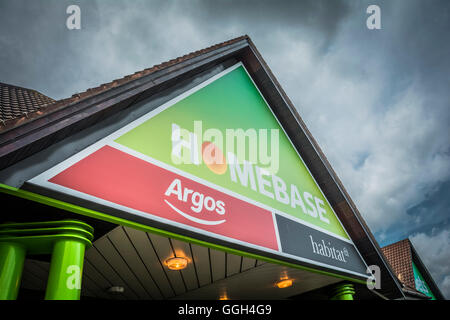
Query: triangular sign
216, 162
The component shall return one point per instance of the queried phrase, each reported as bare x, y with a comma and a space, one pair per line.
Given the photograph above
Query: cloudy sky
377, 101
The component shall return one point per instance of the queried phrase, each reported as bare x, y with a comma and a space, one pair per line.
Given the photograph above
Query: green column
343, 292
66, 268
12, 257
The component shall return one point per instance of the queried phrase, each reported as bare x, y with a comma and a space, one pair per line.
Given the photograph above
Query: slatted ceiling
86, 292
202, 265
100, 281
110, 252
29, 277
259, 283
104, 266
207, 267
164, 251
39, 269
134, 262
30, 281
233, 264
182, 249
33, 276
145, 249
90, 286
217, 260
247, 263
260, 263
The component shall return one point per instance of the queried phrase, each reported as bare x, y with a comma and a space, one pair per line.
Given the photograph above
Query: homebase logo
322, 249
217, 149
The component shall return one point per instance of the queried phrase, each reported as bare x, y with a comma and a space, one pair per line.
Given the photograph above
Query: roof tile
16, 102
400, 258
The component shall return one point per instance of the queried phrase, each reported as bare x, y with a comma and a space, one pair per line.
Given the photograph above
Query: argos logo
202, 206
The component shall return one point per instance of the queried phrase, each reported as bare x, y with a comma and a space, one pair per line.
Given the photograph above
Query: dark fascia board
424, 271
415, 294
31, 137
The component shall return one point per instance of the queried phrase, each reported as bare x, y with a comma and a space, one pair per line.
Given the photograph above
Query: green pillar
343, 292
64, 280
12, 258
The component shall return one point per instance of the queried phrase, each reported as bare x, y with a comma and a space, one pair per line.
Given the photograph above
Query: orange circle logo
214, 158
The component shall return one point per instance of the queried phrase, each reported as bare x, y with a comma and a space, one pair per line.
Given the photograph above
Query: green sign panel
421, 285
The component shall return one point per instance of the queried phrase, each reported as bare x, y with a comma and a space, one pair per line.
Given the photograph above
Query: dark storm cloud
38, 51
428, 217
263, 15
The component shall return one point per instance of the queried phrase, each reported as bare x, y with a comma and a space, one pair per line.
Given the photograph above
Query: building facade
131, 190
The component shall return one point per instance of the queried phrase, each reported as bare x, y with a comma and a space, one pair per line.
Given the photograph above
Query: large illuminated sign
214, 161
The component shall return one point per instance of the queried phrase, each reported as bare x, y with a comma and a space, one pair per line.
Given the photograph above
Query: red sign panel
123, 179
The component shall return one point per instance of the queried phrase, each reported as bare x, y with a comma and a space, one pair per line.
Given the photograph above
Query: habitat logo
321, 248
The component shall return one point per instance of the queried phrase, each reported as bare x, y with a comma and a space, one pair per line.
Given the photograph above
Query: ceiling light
177, 263
223, 296
116, 289
284, 283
